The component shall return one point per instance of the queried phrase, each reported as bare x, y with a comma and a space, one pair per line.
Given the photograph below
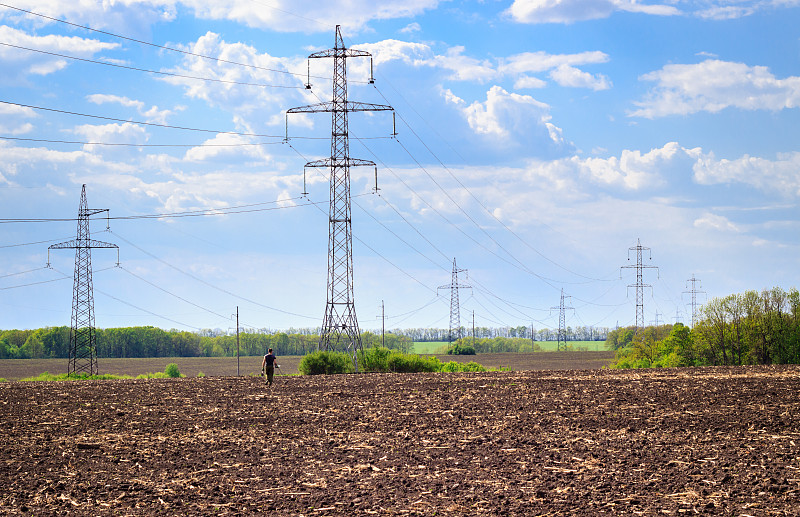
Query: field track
15, 369
711, 441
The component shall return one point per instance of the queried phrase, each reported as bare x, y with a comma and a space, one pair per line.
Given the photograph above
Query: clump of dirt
719, 441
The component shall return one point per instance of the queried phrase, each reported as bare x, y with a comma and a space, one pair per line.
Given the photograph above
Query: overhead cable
157, 72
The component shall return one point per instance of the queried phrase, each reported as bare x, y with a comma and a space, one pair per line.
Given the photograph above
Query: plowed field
716, 441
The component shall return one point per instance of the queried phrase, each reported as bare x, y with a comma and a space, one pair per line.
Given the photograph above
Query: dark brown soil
714, 441
16, 369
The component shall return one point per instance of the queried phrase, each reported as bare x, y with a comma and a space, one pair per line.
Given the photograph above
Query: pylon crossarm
337, 162
339, 52
326, 107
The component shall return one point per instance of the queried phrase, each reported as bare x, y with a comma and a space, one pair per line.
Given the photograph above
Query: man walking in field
268, 366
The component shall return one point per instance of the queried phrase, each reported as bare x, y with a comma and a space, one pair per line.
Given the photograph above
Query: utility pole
237, 340
82, 341
383, 325
340, 325
562, 322
473, 329
455, 315
640, 285
694, 291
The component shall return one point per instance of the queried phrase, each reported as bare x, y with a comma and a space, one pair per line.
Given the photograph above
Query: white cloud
777, 177
511, 119
714, 85
152, 114
125, 133
532, 62
13, 119
569, 11
411, 28
715, 222
566, 75
528, 82
26, 62
463, 68
278, 15
227, 146
241, 99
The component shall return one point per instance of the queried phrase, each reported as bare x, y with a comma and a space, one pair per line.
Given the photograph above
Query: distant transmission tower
82, 346
455, 312
562, 322
639, 284
340, 326
694, 291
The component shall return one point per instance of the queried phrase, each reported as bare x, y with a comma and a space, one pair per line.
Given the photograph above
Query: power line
155, 45
241, 209
193, 277
47, 141
480, 203
154, 124
157, 72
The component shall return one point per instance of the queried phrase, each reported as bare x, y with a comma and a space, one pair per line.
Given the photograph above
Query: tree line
579, 333
53, 342
748, 328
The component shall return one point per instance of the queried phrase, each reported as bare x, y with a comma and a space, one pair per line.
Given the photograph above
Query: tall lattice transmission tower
82, 345
455, 311
340, 326
562, 322
694, 291
639, 285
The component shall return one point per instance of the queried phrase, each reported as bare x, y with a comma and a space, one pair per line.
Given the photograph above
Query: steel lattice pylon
455, 310
562, 323
340, 326
640, 285
82, 346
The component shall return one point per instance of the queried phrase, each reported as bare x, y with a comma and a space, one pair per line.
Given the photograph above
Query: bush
172, 371
324, 362
454, 366
460, 349
374, 359
201, 374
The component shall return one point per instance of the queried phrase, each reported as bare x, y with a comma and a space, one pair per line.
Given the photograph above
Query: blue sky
538, 140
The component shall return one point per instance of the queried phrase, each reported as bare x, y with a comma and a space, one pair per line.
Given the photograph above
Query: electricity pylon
455, 311
562, 321
340, 326
82, 345
639, 284
694, 292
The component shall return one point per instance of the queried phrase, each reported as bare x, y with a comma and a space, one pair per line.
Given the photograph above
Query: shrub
325, 362
454, 366
461, 349
201, 374
172, 371
374, 359
410, 363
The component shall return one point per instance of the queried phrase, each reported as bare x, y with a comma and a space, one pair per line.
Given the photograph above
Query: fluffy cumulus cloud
563, 68
715, 222
279, 15
511, 118
228, 92
569, 11
21, 62
151, 114
777, 177
714, 85
566, 75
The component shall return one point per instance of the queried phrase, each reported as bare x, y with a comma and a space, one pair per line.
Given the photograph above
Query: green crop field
439, 347
430, 347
